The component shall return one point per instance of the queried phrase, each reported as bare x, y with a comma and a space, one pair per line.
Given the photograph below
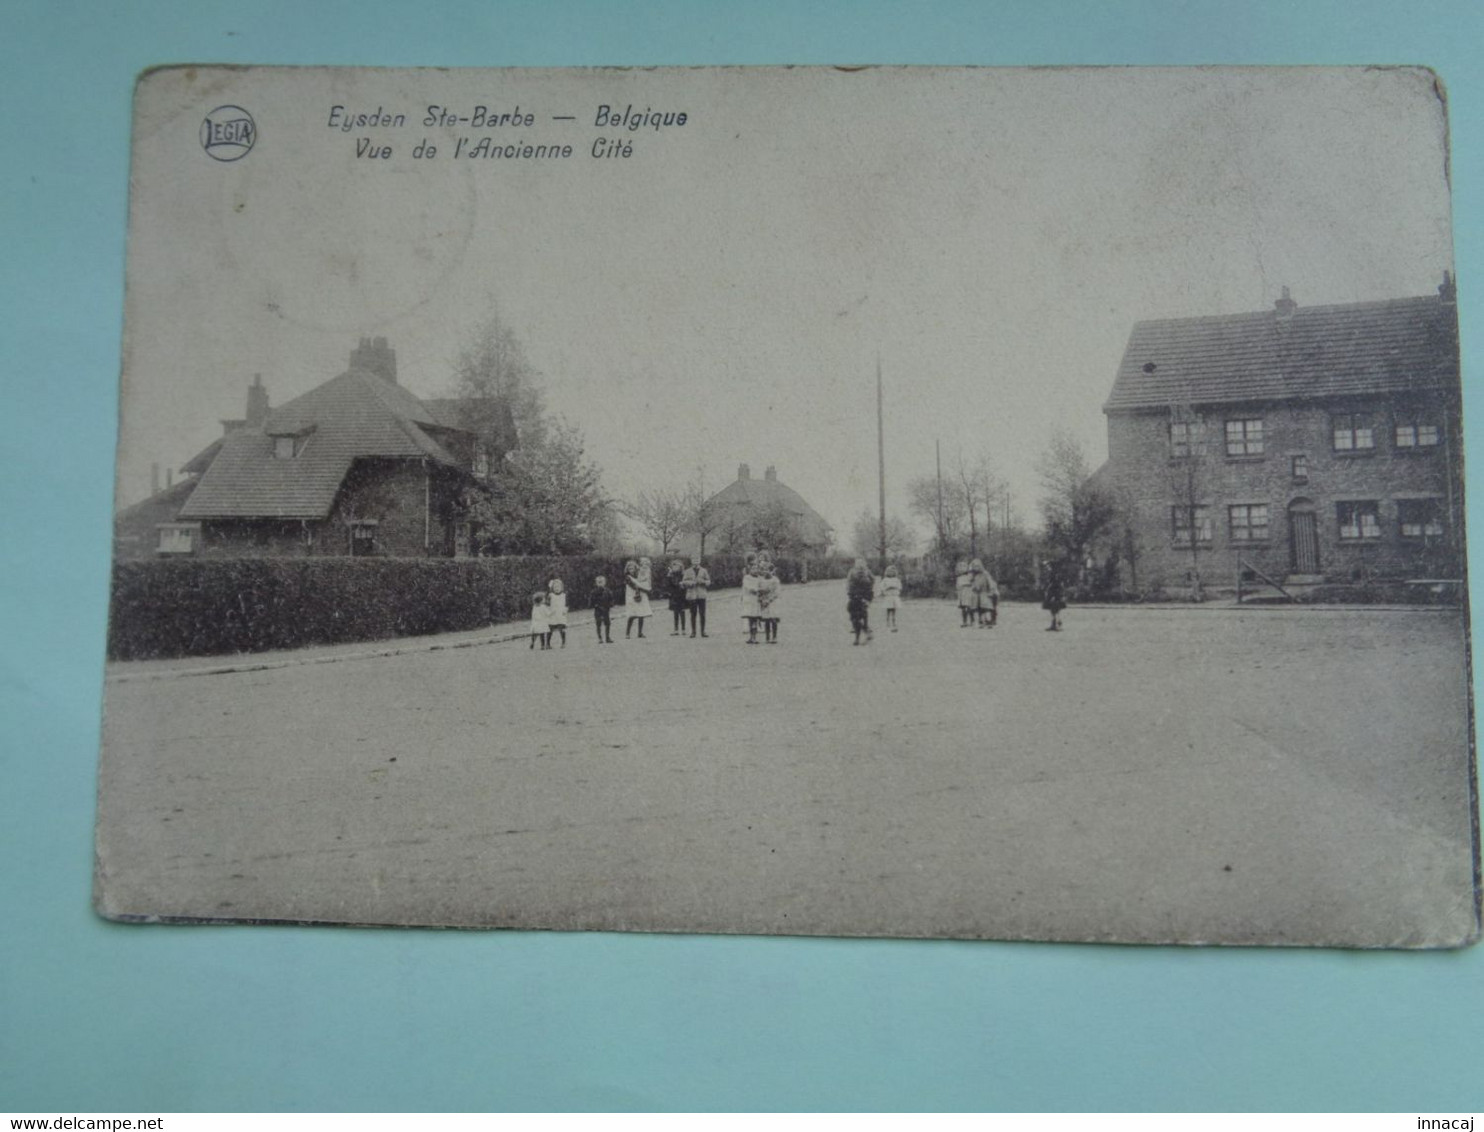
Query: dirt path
1145, 775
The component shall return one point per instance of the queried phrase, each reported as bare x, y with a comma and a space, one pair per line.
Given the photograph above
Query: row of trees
966, 507
667, 513
545, 496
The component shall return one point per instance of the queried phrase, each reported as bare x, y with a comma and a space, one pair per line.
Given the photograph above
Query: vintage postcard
921, 502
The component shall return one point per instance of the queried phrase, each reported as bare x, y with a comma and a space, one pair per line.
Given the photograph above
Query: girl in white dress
770, 589
637, 582
540, 620
751, 608
891, 593
556, 610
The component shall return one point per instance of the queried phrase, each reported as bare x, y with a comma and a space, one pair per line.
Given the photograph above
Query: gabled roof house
1301, 443
358, 465
751, 513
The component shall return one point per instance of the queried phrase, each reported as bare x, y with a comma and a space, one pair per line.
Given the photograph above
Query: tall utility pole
881, 459
938, 448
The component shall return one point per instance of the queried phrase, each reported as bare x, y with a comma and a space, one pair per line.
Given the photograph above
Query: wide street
1158, 774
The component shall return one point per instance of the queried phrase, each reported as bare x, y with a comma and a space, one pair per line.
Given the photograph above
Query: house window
363, 537
1248, 522
1416, 432
287, 447
1244, 437
1186, 437
1358, 521
1419, 519
1301, 469
1181, 523
481, 468
178, 538
1353, 432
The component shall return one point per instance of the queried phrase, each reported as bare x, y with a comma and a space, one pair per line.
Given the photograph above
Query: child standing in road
556, 610
768, 592
1054, 597
637, 581
540, 620
961, 583
751, 608
891, 594
697, 580
858, 589
675, 596
986, 595
602, 603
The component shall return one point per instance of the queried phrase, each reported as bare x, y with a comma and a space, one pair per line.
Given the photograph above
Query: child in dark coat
859, 588
602, 603
675, 592
1054, 597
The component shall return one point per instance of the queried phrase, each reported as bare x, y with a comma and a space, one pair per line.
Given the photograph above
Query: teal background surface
100, 1017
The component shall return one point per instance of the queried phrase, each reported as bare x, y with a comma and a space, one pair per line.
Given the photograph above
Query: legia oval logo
228, 133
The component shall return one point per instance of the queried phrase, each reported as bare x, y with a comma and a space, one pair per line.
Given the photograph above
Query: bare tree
1075, 511
946, 520
1127, 539
977, 489
662, 514
866, 536
705, 516
1188, 444
775, 528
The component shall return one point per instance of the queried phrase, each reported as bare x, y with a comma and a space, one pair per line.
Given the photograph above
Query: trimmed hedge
208, 606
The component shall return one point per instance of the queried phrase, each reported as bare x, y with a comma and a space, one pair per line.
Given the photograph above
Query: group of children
978, 595
689, 584
549, 614
861, 589
761, 591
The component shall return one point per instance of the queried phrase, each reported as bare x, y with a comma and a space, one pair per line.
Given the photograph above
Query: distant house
357, 465
151, 527
764, 513
1304, 443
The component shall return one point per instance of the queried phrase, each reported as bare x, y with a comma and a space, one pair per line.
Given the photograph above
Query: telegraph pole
938, 448
881, 459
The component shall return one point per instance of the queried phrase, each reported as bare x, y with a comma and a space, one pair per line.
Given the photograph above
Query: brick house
1304, 443
749, 512
357, 465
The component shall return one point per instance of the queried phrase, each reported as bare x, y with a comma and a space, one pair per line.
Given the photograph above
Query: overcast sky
722, 296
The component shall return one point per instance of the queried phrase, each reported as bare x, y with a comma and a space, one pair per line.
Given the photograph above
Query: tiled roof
765, 492
351, 416
202, 459
161, 507
1386, 347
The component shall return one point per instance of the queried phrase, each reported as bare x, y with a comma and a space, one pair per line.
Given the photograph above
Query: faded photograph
963, 503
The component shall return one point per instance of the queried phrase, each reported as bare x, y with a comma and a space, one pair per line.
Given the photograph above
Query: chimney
154, 479
169, 477
771, 475
257, 402
374, 356
744, 472
1448, 292
1285, 307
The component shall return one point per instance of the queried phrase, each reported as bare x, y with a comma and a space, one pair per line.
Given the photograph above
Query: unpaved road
1147, 774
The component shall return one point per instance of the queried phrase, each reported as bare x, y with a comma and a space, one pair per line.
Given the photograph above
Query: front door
1304, 527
